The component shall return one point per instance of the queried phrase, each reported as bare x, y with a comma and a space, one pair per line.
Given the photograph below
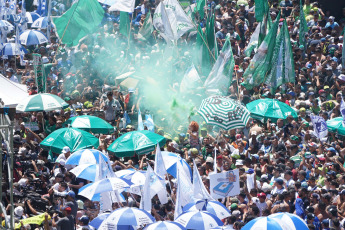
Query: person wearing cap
332, 24
278, 186
10, 75
64, 223
65, 153
83, 223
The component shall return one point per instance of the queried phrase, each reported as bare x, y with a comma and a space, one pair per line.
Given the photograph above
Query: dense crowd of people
294, 171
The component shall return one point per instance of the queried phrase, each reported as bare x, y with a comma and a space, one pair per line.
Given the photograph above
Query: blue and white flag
320, 126
159, 163
342, 111
2, 9
140, 121
145, 202
199, 189
127, 118
11, 10
42, 8
23, 17
149, 123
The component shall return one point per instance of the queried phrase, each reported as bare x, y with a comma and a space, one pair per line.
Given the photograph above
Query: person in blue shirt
312, 219
332, 24
136, 21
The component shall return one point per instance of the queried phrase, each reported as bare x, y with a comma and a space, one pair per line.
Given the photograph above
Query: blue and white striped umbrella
32, 37
200, 220
263, 223
136, 177
290, 221
212, 206
40, 23
170, 162
165, 225
86, 171
85, 156
105, 185
124, 172
12, 49
227, 227
126, 217
99, 219
6, 26
31, 17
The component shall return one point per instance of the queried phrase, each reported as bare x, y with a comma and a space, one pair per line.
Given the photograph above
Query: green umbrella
41, 102
75, 139
263, 109
336, 125
91, 124
136, 142
224, 112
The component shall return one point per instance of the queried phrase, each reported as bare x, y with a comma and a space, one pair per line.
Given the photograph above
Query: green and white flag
261, 7
191, 80
200, 4
261, 62
254, 41
146, 30
220, 77
282, 70
303, 27
171, 21
124, 24
265, 26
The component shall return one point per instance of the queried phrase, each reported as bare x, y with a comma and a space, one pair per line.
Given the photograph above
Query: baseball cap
233, 206
71, 194
65, 149
262, 195
67, 209
250, 171
80, 204
294, 138
209, 160
342, 192
332, 173
84, 219
331, 149
279, 181
239, 163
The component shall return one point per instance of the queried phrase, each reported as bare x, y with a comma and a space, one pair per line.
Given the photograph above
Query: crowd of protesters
295, 171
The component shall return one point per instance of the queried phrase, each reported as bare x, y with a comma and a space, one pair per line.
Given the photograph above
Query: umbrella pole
238, 87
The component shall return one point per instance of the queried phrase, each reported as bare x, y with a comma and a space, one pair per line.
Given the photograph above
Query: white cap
45, 60
65, 149
209, 160
18, 211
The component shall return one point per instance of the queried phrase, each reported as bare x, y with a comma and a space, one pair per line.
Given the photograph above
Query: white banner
320, 126
122, 5
225, 184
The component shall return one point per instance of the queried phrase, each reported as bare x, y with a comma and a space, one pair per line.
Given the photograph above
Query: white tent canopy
12, 93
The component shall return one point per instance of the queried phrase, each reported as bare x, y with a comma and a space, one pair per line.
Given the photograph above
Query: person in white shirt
65, 153
278, 186
288, 179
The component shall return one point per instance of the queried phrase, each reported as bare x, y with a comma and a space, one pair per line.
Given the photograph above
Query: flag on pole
146, 30
123, 5
203, 55
23, 17
2, 9
125, 24
49, 26
200, 4
149, 123
303, 27
211, 36
18, 50
253, 42
75, 24
282, 70
320, 126
261, 62
103, 170
261, 7
220, 77
145, 202
12, 7
140, 121
42, 8
199, 190
265, 26
191, 80
160, 169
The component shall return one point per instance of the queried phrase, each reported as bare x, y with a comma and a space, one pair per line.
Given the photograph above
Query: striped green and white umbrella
91, 124
41, 102
224, 112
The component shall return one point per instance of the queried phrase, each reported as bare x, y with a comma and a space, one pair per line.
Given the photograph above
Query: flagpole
238, 86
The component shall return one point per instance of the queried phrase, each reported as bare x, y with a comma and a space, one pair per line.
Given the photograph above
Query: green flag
125, 24
146, 30
265, 26
303, 27
210, 35
83, 18
200, 4
219, 80
261, 62
261, 7
203, 56
282, 70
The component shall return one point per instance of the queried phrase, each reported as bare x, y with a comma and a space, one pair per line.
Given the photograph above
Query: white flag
320, 126
171, 21
2, 9
140, 122
342, 111
184, 193
122, 5
199, 190
191, 80
254, 41
149, 123
145, 202
159, 163
103, 172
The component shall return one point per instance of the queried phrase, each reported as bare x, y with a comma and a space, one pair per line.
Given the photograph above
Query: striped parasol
224, 112
41, 102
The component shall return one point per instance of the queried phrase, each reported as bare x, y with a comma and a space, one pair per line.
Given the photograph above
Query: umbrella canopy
136, 142
5, 26
336, 125
290, 221
222, 228
91, 124
263, 109
212, 206
86, 171
171, 160
75, 139
263, 223
136, 177
85, 156
129, 83
104, 185
127, 217
224, 112
124, 172
12, 49
99, 219
32, 37
31, 17
165, 225
41, 102
40, 23
198, 220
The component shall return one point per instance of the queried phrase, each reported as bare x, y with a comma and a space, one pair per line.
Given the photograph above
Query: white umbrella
41, 102
162, 225
32, 37
130, 217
